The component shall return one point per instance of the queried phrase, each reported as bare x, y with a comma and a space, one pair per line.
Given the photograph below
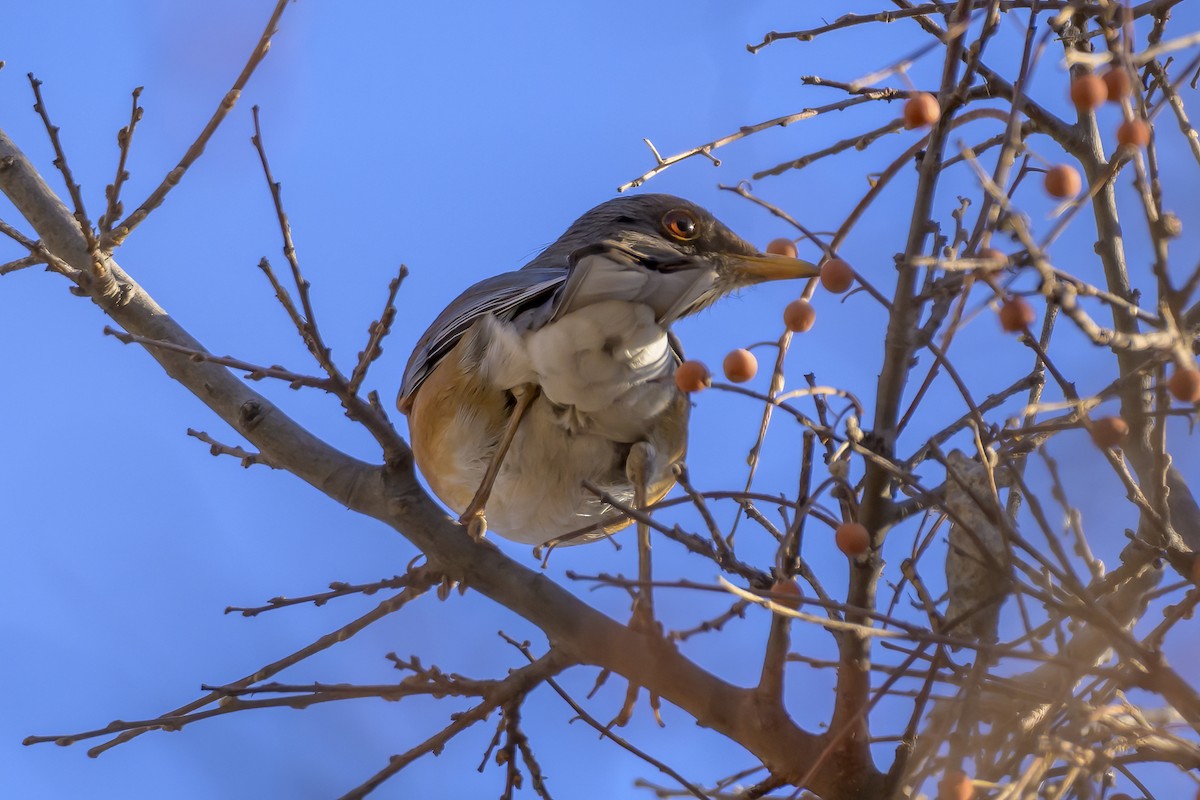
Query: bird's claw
625, 714
642, 621
476, 524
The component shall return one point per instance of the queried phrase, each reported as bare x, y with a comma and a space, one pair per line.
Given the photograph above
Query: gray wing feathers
503, 295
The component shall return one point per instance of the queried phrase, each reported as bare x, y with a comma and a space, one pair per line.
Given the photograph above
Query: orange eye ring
681, 224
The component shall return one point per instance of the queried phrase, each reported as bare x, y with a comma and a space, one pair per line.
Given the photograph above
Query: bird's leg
638, 468
473, 516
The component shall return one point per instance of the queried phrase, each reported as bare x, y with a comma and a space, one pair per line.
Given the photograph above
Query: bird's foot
476, 523
626, 712
637, 468
447, 585
642, 621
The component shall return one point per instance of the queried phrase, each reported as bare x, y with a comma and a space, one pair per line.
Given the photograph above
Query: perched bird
979, 561
533, 382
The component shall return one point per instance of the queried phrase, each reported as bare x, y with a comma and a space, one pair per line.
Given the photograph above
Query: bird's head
674, 236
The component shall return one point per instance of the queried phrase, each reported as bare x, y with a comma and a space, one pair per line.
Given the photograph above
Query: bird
979, 569
538, 393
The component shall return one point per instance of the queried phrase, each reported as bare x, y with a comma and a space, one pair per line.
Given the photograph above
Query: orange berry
1062, 181
692, 376
1118, 84
1185, 384
995, 258
799, 316
1134, 133
955, 785
852, 538
1088, 91
788, 591
782, 247
1016, 315
836, 275
921, 110
740, 365
1109, 432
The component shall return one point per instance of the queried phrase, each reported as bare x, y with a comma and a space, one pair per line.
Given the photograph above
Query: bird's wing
504, 295
658, 277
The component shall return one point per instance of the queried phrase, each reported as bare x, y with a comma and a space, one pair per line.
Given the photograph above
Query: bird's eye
681, 224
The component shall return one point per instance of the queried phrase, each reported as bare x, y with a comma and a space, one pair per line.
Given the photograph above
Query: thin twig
377, 331
117, 235
60, 161
253, 371
246, 457
746, 130
392, 604
113, 190
518, 683
605, 731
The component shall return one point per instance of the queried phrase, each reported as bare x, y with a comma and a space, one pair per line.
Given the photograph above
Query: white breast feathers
608, 363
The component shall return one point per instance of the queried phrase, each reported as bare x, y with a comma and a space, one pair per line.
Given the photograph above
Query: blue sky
457, 138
